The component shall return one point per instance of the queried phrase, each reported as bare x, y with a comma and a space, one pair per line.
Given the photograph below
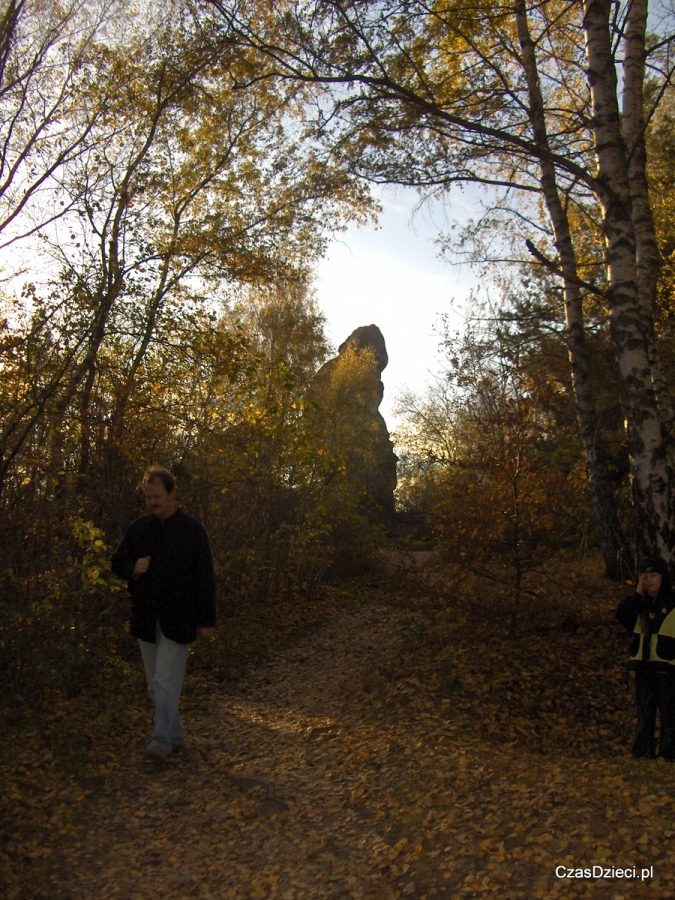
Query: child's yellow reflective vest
656, 647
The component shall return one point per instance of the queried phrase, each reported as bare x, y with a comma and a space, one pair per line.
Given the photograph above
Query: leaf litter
389, 755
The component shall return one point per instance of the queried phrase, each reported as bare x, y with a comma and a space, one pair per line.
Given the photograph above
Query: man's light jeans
165, 668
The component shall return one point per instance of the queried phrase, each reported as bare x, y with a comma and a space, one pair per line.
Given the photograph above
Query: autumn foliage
167, 186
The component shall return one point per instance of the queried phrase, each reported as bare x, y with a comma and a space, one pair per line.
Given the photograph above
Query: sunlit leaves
483, 460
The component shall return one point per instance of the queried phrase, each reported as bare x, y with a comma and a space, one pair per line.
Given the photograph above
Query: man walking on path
165, 558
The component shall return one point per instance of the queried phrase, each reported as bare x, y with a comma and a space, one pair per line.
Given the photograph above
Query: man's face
160, 502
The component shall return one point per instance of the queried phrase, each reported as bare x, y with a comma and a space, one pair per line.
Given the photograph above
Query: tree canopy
526, 101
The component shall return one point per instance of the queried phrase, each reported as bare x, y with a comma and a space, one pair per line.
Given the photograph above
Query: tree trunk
646, 443
612, 544
648, 254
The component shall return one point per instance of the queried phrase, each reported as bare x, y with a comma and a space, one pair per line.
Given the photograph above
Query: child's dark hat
652, 564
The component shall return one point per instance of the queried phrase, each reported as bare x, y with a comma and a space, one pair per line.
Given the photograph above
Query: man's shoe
155, 751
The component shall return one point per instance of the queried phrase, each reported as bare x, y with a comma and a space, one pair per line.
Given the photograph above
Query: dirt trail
322, 776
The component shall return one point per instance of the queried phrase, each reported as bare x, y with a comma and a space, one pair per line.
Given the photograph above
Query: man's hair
159, 473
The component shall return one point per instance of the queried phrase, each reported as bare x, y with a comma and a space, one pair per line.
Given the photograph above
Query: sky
390, 275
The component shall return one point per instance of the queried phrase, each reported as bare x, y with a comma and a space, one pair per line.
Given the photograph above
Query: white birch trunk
646, 443
602, 493
648, 254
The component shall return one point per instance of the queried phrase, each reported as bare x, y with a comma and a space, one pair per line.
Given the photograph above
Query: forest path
324, 775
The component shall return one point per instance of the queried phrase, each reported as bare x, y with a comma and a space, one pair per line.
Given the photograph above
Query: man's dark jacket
179, 588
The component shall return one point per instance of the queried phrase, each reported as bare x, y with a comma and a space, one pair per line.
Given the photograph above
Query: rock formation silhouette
351, 385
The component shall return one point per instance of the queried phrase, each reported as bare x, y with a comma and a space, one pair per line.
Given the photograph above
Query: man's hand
641, 589
141, 567
205, 632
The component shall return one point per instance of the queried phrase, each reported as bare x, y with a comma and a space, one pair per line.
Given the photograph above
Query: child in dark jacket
650, 614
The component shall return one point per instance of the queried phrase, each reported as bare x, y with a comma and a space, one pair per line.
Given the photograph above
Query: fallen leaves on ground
380, 759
